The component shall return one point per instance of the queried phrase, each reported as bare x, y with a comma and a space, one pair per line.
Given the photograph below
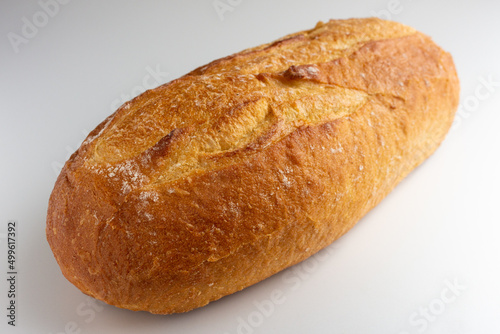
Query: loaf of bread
248, 165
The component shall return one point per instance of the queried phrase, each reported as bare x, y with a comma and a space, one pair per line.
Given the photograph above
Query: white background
390, 274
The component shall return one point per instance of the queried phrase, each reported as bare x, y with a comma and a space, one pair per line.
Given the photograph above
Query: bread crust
248, 165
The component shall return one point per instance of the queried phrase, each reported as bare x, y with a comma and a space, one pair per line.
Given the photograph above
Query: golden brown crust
248, 165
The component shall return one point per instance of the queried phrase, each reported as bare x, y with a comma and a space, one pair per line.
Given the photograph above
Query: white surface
440, 225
